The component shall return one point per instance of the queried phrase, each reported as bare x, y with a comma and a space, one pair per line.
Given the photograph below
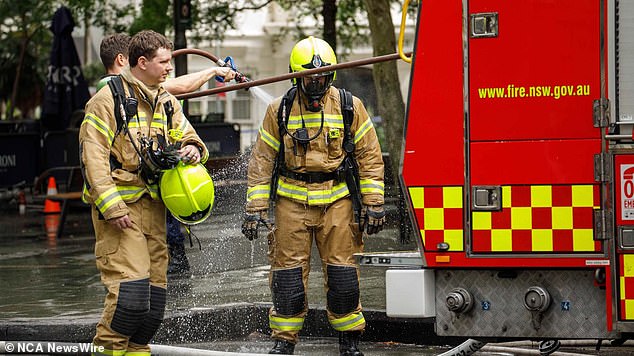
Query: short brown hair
146, 43
111, 46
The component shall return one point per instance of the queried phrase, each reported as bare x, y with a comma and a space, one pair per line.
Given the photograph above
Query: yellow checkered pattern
626, 286
539, 218
439, 213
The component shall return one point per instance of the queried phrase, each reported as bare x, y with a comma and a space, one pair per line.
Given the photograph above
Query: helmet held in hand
188, 192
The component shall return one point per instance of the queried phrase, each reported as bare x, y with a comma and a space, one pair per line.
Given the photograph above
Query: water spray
252, 83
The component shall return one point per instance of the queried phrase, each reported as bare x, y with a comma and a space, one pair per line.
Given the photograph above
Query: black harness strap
118, 94
121, 103
310, 177
283, 113
169, 112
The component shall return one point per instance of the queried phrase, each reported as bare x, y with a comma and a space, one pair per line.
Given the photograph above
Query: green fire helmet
188, 192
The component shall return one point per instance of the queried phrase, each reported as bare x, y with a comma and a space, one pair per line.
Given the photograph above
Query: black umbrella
66, 89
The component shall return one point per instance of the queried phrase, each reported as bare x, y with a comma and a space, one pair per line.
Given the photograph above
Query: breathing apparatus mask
157, 157
314, 87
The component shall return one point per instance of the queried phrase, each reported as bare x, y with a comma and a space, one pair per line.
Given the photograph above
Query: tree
24, 31
154, 16
390, 99
339, 22
102, 14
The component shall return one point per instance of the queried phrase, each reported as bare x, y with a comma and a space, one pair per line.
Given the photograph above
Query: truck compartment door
534, 71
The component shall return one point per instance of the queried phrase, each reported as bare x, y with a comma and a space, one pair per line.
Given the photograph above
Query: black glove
252, 221
372, 217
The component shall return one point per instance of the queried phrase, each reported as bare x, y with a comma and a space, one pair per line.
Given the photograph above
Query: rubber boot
349, 343
179, 264
283, 347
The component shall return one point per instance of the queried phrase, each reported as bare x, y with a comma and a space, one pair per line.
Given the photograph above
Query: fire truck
518, 171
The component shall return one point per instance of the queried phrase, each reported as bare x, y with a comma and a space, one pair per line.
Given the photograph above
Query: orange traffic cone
51, 207
21, 202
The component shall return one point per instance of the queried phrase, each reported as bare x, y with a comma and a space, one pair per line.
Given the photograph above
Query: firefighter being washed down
133, 131
318, 160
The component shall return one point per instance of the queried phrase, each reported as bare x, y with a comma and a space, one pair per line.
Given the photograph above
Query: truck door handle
486, 198
483, 25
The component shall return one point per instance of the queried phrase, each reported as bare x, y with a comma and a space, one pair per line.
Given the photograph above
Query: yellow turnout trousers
133, 267
337, 237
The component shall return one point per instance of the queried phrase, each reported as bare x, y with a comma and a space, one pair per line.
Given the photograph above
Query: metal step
390, 259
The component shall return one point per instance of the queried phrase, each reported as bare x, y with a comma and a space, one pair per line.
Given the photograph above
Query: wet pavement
51, 290
51, 287
47, 277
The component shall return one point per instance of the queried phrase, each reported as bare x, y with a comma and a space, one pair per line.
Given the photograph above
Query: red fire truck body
518, 168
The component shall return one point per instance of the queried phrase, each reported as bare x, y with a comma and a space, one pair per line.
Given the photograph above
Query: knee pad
133, 304
343, 289
288, 293
153, 319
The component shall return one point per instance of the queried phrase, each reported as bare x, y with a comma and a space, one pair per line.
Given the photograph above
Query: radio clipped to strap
124, 106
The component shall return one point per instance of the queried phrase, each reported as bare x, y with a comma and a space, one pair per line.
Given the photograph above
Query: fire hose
245, 83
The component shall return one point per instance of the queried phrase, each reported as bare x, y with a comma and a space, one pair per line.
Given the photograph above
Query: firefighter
113, 52
320, 191
127, 214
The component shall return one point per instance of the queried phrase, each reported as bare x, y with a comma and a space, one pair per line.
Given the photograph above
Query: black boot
179, 264
283, 347
349, 343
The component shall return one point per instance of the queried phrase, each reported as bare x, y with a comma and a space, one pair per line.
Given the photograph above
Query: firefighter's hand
225, 72
253, 220
372, 218
122, 222
190, 154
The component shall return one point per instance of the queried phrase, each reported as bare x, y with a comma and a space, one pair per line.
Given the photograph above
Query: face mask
314, 88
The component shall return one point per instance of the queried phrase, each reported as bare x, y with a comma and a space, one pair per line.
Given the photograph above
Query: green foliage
155, 15
93, 72
102, 14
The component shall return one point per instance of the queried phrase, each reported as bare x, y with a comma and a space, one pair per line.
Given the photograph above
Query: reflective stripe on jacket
323, 154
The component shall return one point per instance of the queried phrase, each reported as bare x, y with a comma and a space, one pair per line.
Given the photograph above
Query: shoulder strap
283, 112
349, 164
347, 106
347, 111
118, 93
